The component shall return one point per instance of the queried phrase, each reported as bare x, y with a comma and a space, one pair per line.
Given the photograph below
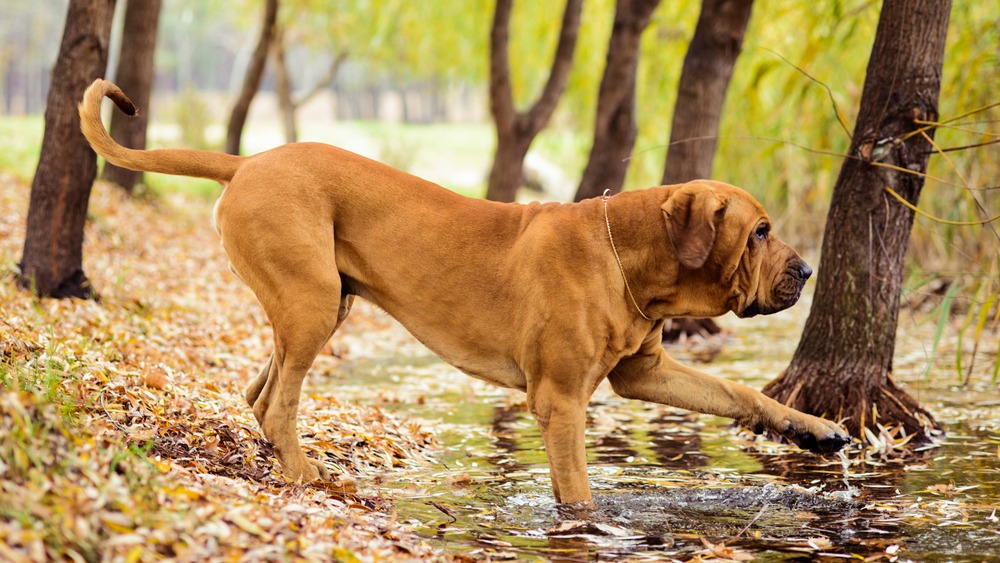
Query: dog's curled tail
182, 162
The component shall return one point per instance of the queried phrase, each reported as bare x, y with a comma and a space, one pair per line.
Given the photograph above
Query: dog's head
722, 237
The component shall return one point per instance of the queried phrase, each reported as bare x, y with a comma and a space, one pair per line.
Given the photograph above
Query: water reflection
677, 445
664, 480
507, 422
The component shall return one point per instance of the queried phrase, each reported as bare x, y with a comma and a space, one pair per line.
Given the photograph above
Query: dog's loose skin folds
524, 296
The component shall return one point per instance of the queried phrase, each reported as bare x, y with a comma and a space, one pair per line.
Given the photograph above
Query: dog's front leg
655, 376
561, 412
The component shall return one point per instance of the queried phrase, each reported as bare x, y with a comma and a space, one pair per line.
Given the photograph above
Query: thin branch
922, 213
973, 146
924, 175
323, 83
932, 124
979, 204
753, 520
973, 112
538, 114
954, 168
978, 122
501, 94
740, 138
829, 92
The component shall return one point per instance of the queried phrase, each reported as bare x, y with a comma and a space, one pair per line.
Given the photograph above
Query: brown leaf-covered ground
123, 431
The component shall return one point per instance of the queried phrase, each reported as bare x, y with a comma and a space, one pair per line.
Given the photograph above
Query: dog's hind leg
259, 382
257, 385
301, 292
304, 318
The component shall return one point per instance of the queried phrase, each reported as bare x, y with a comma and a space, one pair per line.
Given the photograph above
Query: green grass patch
20, 144
199, 188
69, 490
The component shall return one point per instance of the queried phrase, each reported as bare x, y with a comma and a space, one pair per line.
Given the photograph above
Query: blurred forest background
408, 84
412, 91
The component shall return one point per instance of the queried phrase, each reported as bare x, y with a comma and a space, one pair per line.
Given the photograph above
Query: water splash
849, 491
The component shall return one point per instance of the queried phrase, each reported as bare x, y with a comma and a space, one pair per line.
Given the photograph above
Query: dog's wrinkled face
721, 232
779, 271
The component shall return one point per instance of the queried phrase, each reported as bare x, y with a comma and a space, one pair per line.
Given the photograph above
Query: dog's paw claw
322, 472
832, 443
806, 441
828, 440
828, 444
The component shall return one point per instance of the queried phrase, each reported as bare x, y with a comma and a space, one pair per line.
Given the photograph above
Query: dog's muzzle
784, 294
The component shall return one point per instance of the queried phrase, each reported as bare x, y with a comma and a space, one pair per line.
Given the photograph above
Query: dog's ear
690, 214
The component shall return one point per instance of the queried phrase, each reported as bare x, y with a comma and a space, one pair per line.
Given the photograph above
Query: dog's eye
761, 232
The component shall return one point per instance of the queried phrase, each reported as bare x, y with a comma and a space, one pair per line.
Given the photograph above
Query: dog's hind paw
304, 470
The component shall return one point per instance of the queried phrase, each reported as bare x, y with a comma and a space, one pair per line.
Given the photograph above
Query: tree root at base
857, 406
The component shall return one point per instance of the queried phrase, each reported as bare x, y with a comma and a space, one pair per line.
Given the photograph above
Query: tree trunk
614, 126
843, 365
283, 85
516, 131
506, 175
701, 93
134, 76
251, 82
52, 263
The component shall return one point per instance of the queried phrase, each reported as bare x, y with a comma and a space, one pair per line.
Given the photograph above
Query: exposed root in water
883, 416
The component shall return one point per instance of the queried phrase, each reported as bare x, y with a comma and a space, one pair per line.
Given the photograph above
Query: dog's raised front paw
826, 439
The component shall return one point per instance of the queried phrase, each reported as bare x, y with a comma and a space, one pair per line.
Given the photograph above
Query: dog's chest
496, 371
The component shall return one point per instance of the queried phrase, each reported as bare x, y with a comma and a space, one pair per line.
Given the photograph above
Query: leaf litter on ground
123, 430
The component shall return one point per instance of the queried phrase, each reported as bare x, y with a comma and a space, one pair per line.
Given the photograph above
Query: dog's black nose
802, 270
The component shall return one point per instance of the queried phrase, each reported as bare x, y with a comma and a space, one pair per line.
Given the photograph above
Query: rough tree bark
52, 263
135, 76
287, 103
843, 365
701, 95
701, 92
516, 130
251, 81
614, 126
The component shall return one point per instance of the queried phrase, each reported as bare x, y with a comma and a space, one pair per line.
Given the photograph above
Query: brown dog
546, 298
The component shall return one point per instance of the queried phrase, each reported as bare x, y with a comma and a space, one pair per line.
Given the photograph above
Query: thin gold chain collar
628, 289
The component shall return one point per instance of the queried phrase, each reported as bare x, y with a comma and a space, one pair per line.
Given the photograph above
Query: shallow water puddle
670, 485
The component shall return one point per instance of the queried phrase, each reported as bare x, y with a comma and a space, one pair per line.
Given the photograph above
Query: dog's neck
642, 251
618, 259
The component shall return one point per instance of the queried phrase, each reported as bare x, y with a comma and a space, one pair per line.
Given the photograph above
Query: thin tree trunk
516, 130
251, 82
52, 263
134, 76
614, 126
701, 93
843, 365
506, 175
283, 85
